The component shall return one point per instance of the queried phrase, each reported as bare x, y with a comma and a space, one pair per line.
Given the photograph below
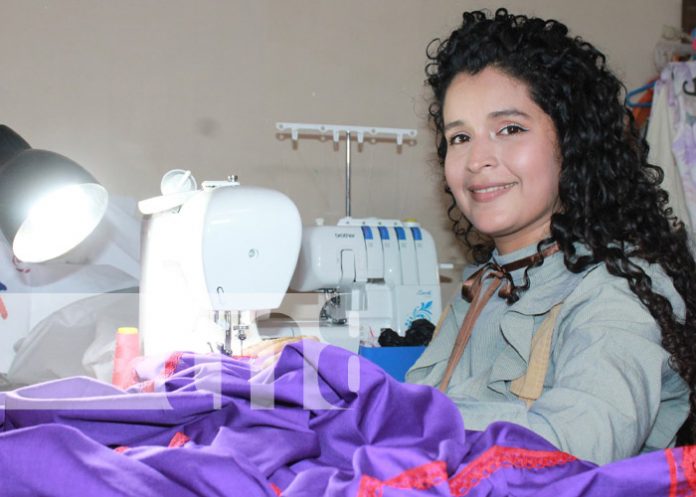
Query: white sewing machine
217, 259
377, 273
213, 259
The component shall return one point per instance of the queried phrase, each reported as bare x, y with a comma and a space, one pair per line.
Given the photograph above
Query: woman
581, 322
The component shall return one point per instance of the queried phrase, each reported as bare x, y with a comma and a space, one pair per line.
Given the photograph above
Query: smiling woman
578, 319
502, 161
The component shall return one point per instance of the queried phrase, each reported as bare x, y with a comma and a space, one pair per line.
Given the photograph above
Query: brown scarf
471, 292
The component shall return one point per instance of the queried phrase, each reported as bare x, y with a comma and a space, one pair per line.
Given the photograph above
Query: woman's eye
512, 129
458, 138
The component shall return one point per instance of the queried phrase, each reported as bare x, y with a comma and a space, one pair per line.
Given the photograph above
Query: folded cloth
320, 421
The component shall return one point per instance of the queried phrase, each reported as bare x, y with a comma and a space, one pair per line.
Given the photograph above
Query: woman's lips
486, 193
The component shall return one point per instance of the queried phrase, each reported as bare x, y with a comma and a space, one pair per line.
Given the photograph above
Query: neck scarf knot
471, 292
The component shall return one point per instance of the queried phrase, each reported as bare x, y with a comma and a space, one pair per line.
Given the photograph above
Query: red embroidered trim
178, 440
171, 364
498, 457
276, 489
169, 369
419, 478
370, 487
672, 473
689, 466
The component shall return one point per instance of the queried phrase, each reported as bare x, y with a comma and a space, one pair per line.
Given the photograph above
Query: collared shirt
609, 392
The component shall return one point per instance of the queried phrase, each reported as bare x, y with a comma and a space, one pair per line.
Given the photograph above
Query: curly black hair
610, 197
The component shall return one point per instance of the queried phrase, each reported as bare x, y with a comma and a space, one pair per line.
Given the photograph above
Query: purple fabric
337, 425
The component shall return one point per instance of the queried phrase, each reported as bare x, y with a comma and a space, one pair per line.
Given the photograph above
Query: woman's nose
481, 154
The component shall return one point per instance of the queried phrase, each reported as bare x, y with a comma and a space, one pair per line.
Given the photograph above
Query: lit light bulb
59, 221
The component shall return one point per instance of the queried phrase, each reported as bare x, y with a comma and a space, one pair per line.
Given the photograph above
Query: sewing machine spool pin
350, 131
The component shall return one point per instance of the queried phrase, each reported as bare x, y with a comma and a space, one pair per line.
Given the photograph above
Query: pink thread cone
127, 349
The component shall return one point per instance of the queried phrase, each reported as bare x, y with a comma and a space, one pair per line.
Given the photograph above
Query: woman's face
503, 162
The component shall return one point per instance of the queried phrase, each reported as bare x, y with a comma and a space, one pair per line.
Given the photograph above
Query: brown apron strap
530, 385
472, 315
443, 316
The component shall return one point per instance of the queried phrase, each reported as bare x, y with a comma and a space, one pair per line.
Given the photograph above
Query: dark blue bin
394, 360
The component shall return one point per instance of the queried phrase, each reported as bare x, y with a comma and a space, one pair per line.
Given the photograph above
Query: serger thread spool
127, 349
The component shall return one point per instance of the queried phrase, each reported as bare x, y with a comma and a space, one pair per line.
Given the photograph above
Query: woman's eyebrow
454, 124
507, 113
493, 115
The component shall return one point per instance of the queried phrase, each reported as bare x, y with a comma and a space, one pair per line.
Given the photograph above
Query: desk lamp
48, 203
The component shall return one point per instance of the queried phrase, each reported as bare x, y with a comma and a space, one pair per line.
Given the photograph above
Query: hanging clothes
661, 136
672, 137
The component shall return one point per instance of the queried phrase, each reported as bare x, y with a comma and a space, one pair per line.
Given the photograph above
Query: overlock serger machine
374, 273
380, 273
213, 259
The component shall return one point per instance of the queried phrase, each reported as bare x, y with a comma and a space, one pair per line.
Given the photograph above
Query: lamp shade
48, 204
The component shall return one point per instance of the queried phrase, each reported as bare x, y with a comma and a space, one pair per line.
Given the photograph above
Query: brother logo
344, 235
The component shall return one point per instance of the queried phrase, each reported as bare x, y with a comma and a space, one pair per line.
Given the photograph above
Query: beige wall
133, 88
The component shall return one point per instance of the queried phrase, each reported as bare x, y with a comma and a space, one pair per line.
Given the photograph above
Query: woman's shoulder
601, 295
598, 279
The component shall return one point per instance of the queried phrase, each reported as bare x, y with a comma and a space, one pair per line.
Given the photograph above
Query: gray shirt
609, 392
